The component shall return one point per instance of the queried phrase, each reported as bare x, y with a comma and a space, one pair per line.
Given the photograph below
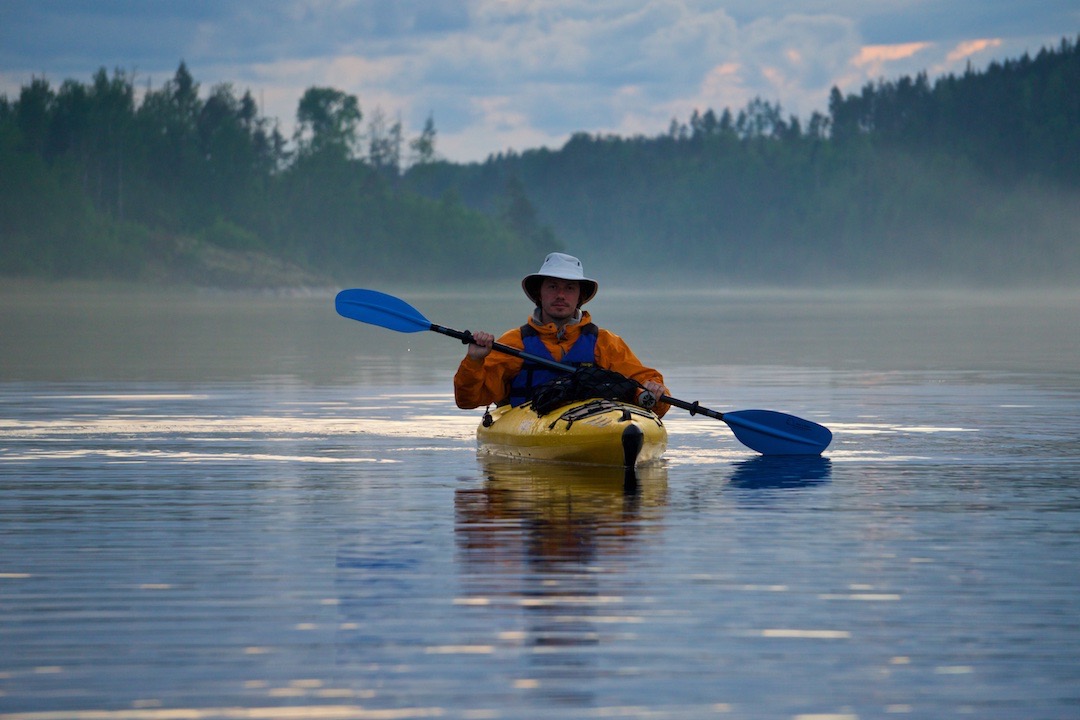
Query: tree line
97, 184
974, 178
971, 178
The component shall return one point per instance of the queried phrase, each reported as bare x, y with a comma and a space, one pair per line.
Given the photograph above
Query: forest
969, 179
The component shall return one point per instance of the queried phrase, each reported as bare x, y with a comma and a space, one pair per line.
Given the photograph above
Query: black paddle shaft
748, 432
466, 337
766, 431
694, 408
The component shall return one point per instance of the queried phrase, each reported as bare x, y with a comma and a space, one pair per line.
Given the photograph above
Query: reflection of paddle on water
782, 471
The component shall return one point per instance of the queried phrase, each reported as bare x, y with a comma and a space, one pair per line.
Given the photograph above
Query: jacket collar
571, 328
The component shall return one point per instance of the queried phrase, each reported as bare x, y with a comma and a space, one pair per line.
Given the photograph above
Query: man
558, 328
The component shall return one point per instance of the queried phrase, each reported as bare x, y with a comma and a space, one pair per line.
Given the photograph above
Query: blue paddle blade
776, 433
376, 308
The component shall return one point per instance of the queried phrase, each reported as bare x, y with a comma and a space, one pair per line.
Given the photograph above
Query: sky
501, 75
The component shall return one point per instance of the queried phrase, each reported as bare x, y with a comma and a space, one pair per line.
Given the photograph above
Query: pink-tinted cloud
971, 47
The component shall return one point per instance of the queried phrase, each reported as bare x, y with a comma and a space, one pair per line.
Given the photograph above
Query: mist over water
94, 332
223, 503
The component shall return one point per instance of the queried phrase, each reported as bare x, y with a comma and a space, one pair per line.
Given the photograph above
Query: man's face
559, 299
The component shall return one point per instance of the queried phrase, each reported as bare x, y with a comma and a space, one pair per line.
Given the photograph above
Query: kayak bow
594, 432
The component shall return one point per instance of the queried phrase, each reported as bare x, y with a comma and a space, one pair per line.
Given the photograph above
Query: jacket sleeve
613, 353
484, 382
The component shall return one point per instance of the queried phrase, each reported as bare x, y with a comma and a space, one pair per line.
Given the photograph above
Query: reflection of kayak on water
541, 548
596, 484
782, 471
557, 510
595, 432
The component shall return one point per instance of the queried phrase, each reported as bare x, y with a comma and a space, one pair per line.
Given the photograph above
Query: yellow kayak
595, 432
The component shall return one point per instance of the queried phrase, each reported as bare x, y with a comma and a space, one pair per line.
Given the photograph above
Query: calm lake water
239, 506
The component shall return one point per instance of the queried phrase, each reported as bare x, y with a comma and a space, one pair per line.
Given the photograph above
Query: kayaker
558, 327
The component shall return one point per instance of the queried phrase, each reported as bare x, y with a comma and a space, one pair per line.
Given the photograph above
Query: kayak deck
595, 432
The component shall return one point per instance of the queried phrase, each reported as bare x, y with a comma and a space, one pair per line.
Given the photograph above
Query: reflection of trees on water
536, 544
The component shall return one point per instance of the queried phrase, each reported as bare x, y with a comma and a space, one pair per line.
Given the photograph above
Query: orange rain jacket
487, 381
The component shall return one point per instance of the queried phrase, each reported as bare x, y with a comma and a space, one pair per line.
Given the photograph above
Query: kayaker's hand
655, 389
480, 347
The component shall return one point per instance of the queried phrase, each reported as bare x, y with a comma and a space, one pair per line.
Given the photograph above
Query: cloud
791, 60
571, 66
877, 61
971, 47
522, 73
878, 55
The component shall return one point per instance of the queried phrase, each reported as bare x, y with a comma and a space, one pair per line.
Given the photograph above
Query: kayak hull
593, 432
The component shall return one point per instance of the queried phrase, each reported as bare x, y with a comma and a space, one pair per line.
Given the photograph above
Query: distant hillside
187, 188
972, 179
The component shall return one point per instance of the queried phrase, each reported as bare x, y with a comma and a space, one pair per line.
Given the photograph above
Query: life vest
532, 375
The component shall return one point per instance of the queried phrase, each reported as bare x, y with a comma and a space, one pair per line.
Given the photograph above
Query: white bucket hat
564, 267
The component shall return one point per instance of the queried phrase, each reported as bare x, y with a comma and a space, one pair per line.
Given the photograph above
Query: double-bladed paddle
766, 431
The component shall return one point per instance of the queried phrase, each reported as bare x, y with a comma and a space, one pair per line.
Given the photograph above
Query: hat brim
531, 286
